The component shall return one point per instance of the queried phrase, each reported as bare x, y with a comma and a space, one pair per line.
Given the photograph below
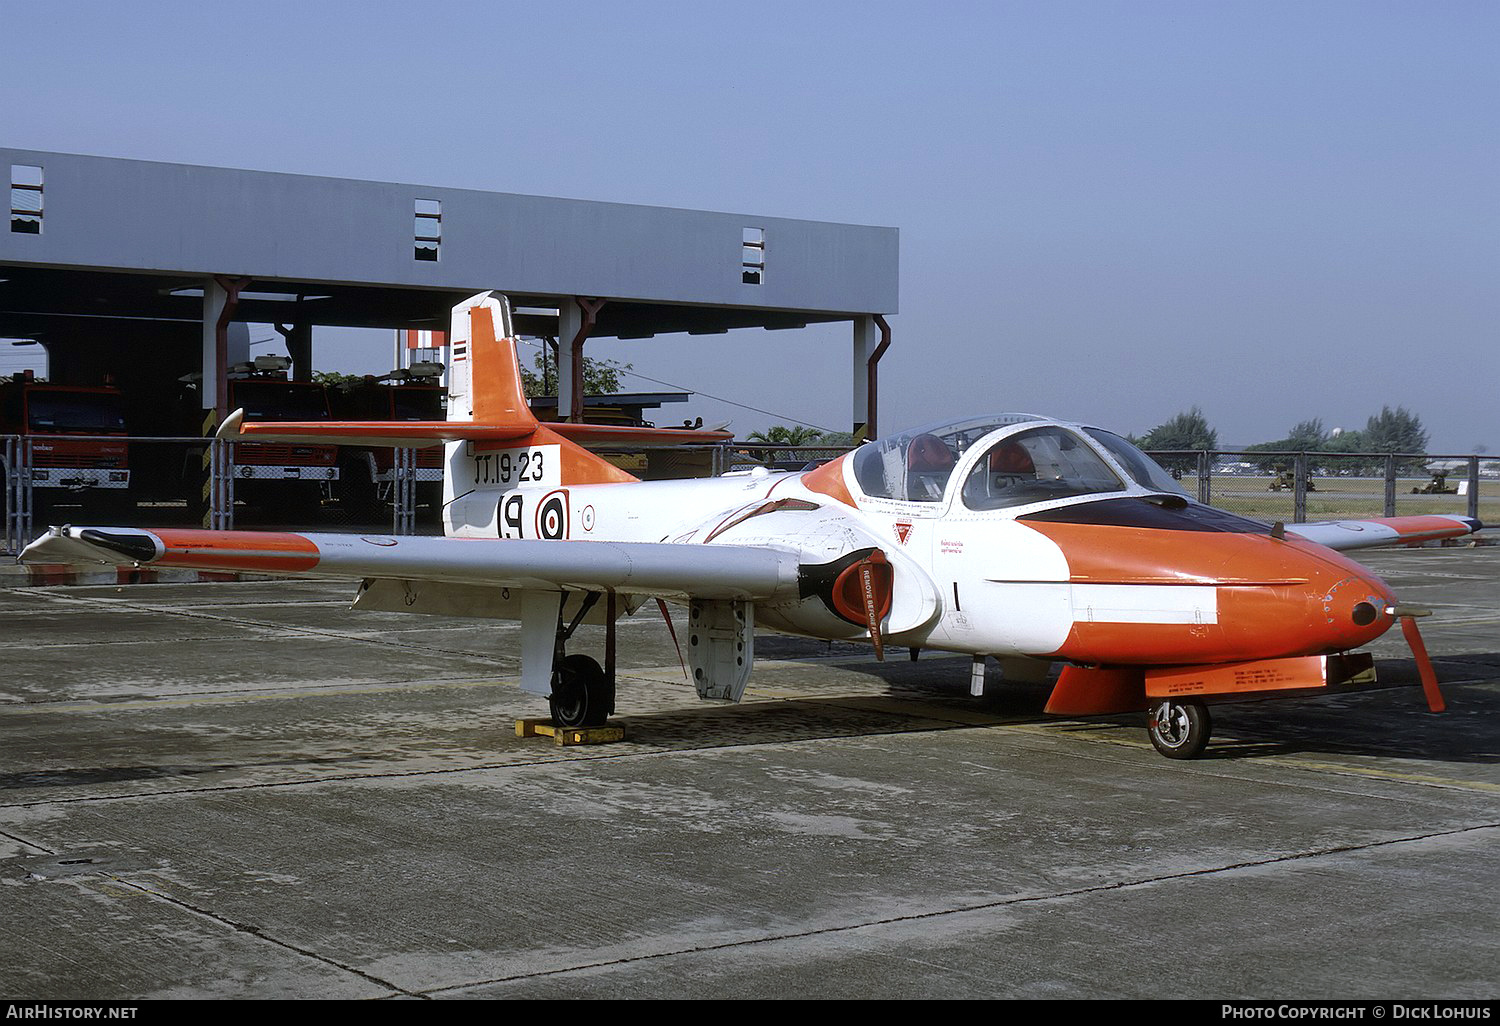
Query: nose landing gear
1180, 729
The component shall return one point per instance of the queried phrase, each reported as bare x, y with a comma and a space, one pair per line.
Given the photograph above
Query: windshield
95, 413
1146, 471
916, 465
1035, 466
279, 400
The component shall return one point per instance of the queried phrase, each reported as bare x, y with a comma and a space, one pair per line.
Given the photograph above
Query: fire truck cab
297, 475
73, 439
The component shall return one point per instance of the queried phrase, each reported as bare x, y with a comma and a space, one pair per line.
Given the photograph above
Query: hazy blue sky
1109, 210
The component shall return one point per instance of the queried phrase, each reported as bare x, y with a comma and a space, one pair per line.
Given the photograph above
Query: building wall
108, 213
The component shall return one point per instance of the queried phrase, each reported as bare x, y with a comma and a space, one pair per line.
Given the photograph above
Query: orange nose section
1272, 598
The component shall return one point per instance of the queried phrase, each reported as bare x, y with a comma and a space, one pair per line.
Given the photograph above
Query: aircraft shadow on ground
1389, 719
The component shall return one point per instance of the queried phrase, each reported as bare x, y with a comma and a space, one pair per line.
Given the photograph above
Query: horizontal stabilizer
411, 434
613, 434
420, 434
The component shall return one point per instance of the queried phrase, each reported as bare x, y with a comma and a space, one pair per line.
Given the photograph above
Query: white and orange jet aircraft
1016, 537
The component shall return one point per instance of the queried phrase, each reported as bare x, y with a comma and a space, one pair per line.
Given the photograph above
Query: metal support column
1204, 477
1390, 486
220, 297
1474, 487
866, 383
17, 500
578, 325
1299, 489
218, 491
404, 491
298, 339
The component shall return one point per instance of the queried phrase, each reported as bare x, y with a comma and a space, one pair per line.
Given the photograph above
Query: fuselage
1010, 536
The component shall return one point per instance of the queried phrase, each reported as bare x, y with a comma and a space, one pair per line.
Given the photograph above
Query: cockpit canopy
1022, 465
916, 465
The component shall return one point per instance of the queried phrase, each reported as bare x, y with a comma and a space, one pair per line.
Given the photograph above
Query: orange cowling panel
1140, 555
1097, 692
262, 551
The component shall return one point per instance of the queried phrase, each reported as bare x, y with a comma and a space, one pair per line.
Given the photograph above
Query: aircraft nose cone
1350, 609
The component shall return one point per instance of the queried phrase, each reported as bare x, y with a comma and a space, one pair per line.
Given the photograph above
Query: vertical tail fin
487, 411
485, 382
485, 387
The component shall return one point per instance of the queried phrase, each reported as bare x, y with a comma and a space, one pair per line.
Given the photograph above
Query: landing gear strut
583, 692
1180, 729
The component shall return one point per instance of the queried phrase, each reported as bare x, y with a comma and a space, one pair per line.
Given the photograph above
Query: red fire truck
78, 452
295, 476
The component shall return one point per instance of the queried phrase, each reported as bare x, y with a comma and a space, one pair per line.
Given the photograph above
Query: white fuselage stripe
1145, 603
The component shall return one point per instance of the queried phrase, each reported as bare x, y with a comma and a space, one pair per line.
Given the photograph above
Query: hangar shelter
136, 270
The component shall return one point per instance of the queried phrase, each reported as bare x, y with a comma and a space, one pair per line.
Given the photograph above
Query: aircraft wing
1363, 534
712, 571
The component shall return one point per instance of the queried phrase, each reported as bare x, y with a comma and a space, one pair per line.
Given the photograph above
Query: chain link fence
1296, 487
198, 482
207, 483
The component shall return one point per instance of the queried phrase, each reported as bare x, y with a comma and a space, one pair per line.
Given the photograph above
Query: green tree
1396, 431
782, 434
1390, 431
842, 438
1188, 430
334, 379
1347, 440
1306, 436
600, 377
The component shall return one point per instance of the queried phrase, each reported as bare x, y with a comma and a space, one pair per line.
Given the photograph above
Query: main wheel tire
580, 694
1180, 729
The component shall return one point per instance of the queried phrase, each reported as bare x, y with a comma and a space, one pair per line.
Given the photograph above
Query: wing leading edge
737, 572
1363, 534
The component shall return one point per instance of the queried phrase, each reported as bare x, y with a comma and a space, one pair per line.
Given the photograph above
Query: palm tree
780, 434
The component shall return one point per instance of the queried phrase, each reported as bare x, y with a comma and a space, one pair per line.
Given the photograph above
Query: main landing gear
583, 692
1179, 729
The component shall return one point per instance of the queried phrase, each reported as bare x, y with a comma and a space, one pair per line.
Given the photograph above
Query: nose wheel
1179, 729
